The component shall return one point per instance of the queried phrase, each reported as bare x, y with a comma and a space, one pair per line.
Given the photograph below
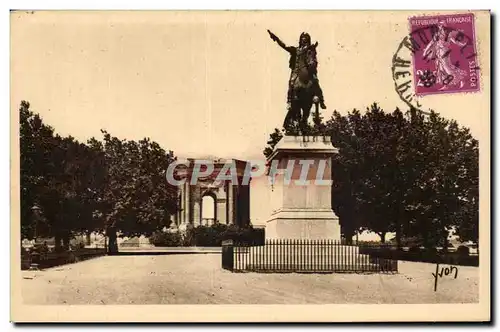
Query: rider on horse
303, 62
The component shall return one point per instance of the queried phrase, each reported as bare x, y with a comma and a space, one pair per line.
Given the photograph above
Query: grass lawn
199, 279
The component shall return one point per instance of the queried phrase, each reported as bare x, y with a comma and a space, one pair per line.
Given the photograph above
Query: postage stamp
444, 54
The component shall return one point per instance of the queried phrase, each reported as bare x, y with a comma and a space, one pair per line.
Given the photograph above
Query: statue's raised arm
278, 41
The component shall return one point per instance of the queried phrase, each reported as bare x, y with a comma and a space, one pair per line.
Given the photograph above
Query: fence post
35, 260
228, 255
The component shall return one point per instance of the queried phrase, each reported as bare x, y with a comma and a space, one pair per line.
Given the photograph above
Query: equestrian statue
303, 86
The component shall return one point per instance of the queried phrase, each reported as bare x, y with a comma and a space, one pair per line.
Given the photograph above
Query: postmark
437, 56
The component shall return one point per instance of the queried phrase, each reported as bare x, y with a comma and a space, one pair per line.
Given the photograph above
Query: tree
52, 174
467, 218
36, 141
274, 138
346, 171
318, 127
137, 199
415, 176
368, 182
96, 178
446, 186
107, 186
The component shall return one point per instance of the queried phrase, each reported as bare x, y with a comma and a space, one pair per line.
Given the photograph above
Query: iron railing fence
284, 255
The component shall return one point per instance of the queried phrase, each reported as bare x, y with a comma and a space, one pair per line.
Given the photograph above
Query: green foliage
108, 186
446, 193
367, 175
247, 235
212, 236
463, 251
137, 199
36, 140
411, 174
166, 239
207, 236
412, 241
416, 175
318, 127
57, 174
274, 138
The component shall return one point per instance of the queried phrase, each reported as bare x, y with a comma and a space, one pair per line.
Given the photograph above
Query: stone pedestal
300, 173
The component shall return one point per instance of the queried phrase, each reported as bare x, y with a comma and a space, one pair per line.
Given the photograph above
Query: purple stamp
443, 49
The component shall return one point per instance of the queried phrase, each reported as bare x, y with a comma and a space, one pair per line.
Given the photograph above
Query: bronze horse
303, 98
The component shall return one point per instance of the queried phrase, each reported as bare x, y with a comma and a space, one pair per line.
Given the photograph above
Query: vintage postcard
250, 166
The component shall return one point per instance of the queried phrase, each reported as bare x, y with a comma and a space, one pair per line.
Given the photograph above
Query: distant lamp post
36, 217
35, 255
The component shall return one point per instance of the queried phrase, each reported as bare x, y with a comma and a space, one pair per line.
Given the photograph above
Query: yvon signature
445, 271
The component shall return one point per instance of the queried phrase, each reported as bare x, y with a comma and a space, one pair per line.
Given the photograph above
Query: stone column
183, 204
180, 203
221, 210
230, 202
187, 216
196, 213
196, 200
220, 204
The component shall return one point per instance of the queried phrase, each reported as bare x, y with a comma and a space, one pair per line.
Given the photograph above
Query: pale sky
208, 83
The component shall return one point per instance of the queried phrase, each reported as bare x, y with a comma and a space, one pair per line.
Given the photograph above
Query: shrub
431, 251
430, 255
413, 241
77, 246
244, 235
164, 239
463, 251
208, 236
212, 236
373, 243
414, 249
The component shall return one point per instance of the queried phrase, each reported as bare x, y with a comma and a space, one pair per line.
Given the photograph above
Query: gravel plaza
199, 279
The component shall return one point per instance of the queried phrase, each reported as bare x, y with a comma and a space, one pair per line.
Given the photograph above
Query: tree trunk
88, 238
445, 241
398, 235
382, 237
348, 234
112, 244
66, 238
57, 240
